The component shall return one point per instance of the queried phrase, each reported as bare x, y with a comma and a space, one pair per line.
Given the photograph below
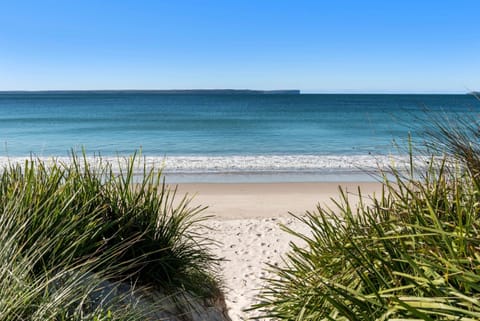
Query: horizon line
226, 90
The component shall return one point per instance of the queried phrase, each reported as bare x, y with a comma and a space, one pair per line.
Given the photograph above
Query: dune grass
411, 253
68, 228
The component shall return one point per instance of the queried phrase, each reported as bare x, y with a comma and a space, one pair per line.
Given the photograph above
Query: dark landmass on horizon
168, 91
216, 92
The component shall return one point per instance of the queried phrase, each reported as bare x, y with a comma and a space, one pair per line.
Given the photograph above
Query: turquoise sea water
252, 135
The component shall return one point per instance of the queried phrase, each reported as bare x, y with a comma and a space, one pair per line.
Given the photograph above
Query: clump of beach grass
410, 253
71, 232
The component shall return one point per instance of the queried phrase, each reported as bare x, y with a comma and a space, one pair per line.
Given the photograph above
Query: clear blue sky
320, 46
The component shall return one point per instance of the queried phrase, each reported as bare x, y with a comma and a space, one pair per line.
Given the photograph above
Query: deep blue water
159, 124
205, 134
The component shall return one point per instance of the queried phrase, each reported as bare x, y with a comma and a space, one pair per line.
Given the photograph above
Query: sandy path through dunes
246, 222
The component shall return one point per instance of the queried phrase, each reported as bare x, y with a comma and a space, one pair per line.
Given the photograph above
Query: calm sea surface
222, 134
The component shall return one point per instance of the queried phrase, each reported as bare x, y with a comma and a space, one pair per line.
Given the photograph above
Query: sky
314, 46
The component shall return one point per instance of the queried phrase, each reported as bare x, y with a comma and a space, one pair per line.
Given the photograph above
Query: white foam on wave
250, 164
281, 163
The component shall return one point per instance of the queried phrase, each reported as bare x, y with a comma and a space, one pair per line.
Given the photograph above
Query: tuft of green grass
410, 253
69, 229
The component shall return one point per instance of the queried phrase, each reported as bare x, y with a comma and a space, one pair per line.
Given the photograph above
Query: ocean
225, 137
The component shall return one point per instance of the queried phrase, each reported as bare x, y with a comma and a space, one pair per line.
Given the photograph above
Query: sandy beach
247, 220
232, 201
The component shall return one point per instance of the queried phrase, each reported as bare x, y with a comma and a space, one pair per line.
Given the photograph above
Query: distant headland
169, 91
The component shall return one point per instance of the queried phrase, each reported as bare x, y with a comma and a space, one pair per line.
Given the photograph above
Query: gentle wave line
243, 163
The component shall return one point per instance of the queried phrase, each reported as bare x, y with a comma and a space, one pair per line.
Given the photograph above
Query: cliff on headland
213, 91
224, 91
168, 91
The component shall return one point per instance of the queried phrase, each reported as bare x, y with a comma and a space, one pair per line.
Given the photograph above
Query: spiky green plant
411, 253
67, 229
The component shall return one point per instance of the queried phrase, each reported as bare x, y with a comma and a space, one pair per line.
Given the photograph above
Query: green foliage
411, 253
66, 229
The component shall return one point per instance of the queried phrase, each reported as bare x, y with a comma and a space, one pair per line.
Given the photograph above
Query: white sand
248, 245
247, 218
